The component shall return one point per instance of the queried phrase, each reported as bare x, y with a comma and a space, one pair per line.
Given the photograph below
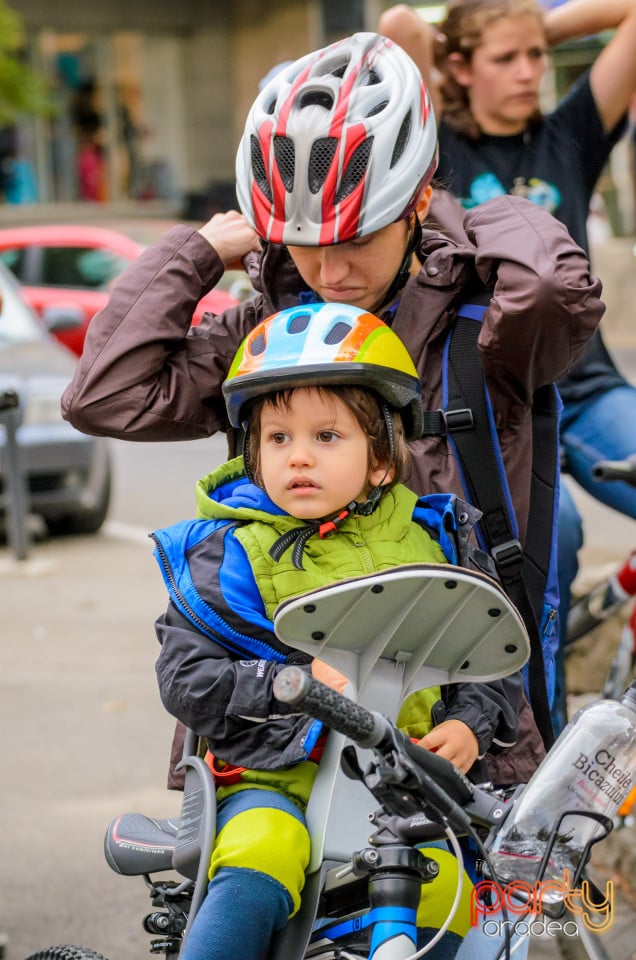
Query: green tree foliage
21, 90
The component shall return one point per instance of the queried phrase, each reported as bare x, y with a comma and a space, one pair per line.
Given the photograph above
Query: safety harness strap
522, 570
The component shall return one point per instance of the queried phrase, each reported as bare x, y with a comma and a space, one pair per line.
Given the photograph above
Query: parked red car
66, 272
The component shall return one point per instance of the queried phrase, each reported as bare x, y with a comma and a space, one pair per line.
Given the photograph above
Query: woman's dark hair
364, 404
462, 32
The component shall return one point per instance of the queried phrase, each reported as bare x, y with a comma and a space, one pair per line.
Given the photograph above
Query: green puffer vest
362, 545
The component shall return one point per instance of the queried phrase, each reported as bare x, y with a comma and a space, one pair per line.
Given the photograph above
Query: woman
333, 179
486, 65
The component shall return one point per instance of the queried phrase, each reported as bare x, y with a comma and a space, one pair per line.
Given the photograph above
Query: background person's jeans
603, 428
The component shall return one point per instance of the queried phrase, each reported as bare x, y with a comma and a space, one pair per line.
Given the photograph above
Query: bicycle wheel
617, 943
66, 952
585, 946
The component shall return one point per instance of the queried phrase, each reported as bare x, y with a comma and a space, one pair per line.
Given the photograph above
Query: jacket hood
227, 494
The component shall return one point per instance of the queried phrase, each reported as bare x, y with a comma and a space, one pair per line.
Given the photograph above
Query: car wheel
83, 521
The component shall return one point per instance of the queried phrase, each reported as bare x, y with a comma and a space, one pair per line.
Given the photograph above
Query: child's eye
327, 436
278, 438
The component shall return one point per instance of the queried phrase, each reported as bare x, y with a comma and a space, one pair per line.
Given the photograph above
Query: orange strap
225, 774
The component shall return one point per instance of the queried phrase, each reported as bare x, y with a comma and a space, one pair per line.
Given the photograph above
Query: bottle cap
630, 694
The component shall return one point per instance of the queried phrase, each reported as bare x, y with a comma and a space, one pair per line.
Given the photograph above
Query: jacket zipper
185, 606
173, 583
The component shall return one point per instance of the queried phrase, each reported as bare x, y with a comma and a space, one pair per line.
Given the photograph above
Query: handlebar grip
294, 686
616, 470
447, 789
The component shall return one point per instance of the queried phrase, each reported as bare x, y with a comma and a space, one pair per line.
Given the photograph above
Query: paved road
83, 736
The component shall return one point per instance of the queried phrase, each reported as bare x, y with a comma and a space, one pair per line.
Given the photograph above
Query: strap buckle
507, 555
456, 420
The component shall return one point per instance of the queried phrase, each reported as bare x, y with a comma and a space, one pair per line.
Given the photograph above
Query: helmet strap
245, 443
404, 270
368, 506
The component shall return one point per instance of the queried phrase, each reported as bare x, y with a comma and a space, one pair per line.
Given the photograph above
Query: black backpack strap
522, 570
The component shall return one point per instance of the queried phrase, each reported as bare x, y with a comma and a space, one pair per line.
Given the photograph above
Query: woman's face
504, 74
359, 272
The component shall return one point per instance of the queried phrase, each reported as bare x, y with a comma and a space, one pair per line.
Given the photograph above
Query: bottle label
604, 782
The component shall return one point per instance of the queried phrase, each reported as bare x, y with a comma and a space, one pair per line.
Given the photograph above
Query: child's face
314, 455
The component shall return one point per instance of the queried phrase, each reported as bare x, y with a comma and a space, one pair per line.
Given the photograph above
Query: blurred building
151, 95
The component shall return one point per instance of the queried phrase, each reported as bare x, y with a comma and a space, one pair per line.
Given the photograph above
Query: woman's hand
231, 236
329, 676
454, 741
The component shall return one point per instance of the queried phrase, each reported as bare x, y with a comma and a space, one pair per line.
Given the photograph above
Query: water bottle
590, 768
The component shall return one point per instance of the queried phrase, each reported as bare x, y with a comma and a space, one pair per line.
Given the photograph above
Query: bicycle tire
586, 946
66, 952
590, 946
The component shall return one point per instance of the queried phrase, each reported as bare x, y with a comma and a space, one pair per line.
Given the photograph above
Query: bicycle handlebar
368, 728
616, 470
294, 686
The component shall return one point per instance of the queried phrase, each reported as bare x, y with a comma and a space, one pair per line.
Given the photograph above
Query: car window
92, 269
14, 258
18, 323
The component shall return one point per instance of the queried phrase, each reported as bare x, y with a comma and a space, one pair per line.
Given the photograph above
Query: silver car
68, 474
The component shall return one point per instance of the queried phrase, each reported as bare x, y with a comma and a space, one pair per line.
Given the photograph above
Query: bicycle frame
391, 633
606, 598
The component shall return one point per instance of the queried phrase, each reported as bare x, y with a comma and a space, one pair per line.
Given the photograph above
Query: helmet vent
356, 169
299, 323
378, 108
258, 168
285, 158
373, 78
316, 98
322, 154
402, 139
257, 346
337, 333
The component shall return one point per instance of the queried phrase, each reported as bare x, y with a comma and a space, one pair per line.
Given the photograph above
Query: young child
327, 396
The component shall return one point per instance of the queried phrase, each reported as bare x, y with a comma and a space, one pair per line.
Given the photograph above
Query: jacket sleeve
144, 373
491, 710
545, 304
227, 700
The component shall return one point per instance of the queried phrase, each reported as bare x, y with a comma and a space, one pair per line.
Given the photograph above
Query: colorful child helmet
337, 145
323, 344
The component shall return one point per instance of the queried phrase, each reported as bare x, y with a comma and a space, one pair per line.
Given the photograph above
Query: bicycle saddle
135, 844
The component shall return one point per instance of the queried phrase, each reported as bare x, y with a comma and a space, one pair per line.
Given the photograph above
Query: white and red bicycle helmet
337, 145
